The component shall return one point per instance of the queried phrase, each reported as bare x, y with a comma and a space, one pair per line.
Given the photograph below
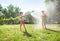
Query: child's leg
20, 27
24, 27
44, 25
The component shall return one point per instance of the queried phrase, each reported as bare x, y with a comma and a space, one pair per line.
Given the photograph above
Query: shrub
10, 21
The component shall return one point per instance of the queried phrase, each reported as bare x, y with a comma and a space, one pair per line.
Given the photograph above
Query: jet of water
37, 16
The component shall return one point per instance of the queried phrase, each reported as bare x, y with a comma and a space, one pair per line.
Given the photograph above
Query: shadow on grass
52, 30
27, 34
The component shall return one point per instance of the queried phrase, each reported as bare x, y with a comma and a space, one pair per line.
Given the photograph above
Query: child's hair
42, 11
21, 13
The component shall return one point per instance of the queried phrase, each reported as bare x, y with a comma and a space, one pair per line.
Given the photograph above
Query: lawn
13, 33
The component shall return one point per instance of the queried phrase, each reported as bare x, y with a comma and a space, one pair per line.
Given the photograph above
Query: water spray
37, 16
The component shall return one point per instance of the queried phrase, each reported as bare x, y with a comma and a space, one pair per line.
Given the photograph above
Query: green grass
12, 33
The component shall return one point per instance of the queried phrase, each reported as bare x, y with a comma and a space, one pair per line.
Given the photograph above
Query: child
22, 21
43, 19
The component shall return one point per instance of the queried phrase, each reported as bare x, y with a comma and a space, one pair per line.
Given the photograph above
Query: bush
10, 21
1, 22
16, 20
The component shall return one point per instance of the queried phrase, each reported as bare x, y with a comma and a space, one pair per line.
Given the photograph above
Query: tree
10, 10
1, 14
17, 9
13, 11
5, 12
1, 7
58, 10
53, 7
9, 15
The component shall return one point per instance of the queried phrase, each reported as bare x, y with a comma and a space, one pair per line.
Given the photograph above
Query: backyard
13, 33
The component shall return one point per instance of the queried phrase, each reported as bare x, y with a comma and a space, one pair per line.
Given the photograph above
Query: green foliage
53, 14
1, 7
1, 15
10, 15
10, 21
13, 11
10, 11
48, 1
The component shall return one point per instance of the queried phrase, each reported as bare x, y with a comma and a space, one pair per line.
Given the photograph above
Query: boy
22, 21
43, 19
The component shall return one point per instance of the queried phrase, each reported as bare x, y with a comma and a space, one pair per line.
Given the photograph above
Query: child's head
42, 11
21, 13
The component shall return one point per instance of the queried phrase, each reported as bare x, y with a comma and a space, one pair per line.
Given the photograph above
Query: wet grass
13, 33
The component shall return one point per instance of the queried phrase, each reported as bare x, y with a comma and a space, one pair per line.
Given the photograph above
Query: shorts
21, 22
43, 19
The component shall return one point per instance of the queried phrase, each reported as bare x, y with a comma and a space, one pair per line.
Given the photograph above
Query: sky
25, 5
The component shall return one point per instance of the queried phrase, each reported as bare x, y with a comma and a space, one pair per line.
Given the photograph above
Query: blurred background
10, 20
